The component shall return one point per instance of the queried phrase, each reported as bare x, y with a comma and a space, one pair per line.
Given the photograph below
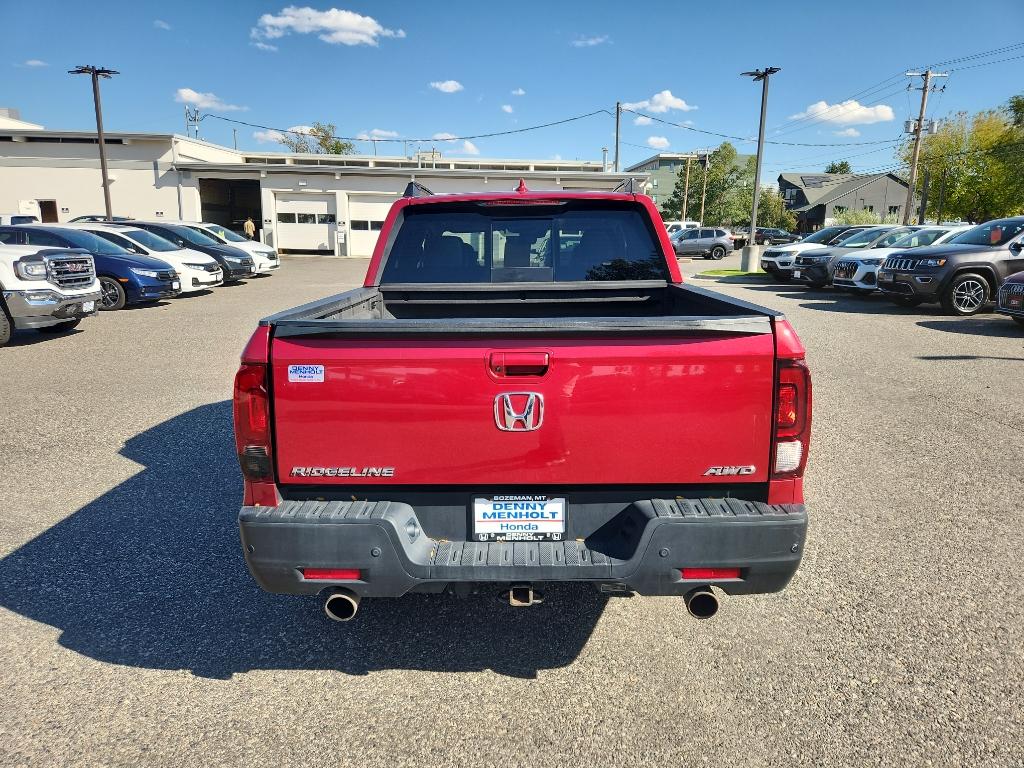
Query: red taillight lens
252, 421
708, 574
330, 574
786, 413
792, 419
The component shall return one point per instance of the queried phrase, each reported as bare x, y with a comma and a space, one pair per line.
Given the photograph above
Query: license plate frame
518, 517
796, 273
88, 306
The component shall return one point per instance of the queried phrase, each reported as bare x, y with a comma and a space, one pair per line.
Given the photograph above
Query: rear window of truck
494, 243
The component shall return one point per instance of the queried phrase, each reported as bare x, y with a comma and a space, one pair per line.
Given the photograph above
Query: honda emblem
519, 411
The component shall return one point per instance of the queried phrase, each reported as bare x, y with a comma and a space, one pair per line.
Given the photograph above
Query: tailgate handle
519, 363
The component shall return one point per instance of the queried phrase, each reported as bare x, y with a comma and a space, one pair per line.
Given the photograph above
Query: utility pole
234, 134
763, 75
912, 182
686, 189
96, 73
706, 162
618, 118
604, 159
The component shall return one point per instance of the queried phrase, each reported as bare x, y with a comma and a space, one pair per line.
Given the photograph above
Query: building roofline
403, 171
668, 155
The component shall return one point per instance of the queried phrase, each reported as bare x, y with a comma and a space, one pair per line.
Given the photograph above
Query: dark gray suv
706, 241
962, 274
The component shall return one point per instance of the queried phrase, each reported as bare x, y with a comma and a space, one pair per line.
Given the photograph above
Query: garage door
306, 223
366, 214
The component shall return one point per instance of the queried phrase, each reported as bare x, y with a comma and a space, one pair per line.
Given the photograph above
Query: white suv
48, 289
778, 260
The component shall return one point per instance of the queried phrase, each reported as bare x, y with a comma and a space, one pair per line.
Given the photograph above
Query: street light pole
763, 75
96, 73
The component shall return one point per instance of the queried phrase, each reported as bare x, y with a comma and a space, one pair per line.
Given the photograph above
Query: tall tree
727, 177
839, 166
318, 140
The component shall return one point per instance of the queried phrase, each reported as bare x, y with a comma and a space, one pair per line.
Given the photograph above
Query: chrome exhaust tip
341, 605
702, 603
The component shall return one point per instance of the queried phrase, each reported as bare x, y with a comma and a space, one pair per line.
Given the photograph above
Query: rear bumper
652, 540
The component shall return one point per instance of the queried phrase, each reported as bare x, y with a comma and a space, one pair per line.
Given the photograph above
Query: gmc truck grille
900, 265
72, 273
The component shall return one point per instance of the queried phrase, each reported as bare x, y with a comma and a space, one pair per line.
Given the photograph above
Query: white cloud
333, 26
268, 136
446, 86
642, 120
35, 63
208, 101
506, 108
518, 92
657, 142
660, 102
469, 148
377, 133
556, 157
263, 46
589, 42
444, 136
850, 132
850, 112
161, 24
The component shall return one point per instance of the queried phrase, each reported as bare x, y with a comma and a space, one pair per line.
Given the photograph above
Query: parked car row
690, 238
963, 268
53, 275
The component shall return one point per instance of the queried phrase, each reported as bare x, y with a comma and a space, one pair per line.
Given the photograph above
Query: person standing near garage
250, 228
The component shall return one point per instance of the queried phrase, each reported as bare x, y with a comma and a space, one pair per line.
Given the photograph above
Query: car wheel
111, 294
717, 253
966, 295
906, 301
67, 325
5, 327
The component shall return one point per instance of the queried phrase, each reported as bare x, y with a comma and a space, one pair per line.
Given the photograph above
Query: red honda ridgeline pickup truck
523, 391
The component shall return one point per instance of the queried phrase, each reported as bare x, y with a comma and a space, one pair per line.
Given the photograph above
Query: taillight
330, 574
252, 421
792, 419
709, 574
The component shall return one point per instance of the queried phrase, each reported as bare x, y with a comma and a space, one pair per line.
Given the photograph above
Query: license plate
796, 273
519, 517
175, 285
88, 306
1014, 301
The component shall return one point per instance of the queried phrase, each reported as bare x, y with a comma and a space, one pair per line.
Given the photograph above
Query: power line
987, 63
400, 140
754, 141
981, 55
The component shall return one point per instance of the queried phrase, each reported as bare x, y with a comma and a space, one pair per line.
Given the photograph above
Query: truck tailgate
430, 411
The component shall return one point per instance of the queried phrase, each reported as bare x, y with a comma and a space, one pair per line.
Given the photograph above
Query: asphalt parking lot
132, 633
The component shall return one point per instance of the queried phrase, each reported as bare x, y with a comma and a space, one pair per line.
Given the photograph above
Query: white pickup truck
48, 289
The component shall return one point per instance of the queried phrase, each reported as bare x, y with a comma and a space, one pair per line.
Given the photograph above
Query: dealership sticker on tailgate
306, 373
519, 518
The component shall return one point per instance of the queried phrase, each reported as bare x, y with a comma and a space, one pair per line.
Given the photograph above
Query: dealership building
301, 203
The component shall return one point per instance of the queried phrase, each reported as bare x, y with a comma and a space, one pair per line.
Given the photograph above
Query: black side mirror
1017, 247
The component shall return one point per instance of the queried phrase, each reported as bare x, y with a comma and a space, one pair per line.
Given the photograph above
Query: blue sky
420, 70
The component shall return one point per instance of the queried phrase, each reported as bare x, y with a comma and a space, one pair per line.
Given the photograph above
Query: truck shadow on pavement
151, 574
